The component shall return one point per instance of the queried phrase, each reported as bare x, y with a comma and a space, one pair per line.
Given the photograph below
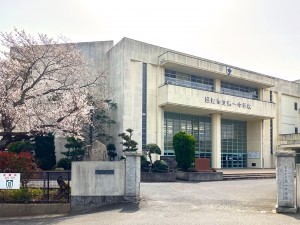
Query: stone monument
98, 152
286, 201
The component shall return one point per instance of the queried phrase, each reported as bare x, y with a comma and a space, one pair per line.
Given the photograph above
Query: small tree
75, 149
152, 149
184, 147
129, 144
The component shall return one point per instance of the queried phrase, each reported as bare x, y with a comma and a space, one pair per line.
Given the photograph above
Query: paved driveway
225, 202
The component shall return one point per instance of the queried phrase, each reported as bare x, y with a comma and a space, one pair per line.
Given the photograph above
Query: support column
133, 176
217, 85
285, 182
216, 141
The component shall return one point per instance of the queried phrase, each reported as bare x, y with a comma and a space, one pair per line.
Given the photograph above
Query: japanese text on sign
9, 181
227, 103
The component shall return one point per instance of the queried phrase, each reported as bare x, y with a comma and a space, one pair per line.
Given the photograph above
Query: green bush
22, 195
184, 147
160, 166
20, 146
64, 163
145, 166
45, 151
143, 158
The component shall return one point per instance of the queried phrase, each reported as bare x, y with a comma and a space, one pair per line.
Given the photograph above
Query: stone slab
158, 177
199, 176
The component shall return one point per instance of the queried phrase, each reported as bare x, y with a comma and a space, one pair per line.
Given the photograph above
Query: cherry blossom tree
44, 83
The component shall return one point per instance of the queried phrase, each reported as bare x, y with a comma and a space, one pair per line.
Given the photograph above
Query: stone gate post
133, 176
285, 169
298, 185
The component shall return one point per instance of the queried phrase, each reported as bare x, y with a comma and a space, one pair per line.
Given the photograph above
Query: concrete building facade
239, 118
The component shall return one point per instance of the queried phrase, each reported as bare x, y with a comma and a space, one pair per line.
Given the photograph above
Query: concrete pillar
216, 140
298, 185
217, 85
286, 201
133, 176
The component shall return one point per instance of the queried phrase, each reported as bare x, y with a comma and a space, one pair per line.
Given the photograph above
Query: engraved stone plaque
285, 182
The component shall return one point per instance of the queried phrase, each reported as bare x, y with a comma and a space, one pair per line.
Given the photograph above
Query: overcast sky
258, 35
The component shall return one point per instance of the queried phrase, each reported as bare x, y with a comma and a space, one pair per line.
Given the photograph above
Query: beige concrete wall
254, 141
290, 118
85, 181
188, 97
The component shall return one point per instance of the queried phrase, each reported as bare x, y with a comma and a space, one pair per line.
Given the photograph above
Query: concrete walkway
246, 171
245, 202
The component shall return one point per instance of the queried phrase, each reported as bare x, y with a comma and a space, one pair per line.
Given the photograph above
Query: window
233, 144
239, 90
271, 96
295, 106
271, 136
188, 80
144, 107
198, 126
296, 130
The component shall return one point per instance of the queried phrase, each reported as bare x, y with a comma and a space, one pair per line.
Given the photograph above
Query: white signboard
253, 155
9, 181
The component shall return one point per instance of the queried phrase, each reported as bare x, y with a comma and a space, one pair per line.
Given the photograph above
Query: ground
223, 202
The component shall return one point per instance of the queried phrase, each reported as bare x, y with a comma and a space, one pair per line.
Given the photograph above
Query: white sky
258, 35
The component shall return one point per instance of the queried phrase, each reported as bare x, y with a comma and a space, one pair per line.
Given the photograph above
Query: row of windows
188, 80
144, 107
207, 84
239, 90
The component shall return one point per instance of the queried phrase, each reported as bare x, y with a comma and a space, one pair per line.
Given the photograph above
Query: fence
40, 187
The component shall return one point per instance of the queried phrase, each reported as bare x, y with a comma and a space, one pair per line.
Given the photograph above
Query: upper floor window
188, 80
295, 106
239, 90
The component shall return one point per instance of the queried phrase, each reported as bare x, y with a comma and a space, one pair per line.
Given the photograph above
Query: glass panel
199, 127
233, 144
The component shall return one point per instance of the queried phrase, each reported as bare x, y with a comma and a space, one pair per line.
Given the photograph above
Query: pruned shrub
111, 151
20, 146
152, 149
145, 166
129, 144
64, 163
160, 166
184, 147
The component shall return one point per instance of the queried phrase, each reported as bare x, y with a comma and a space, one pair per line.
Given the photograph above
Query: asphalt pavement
224, 202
